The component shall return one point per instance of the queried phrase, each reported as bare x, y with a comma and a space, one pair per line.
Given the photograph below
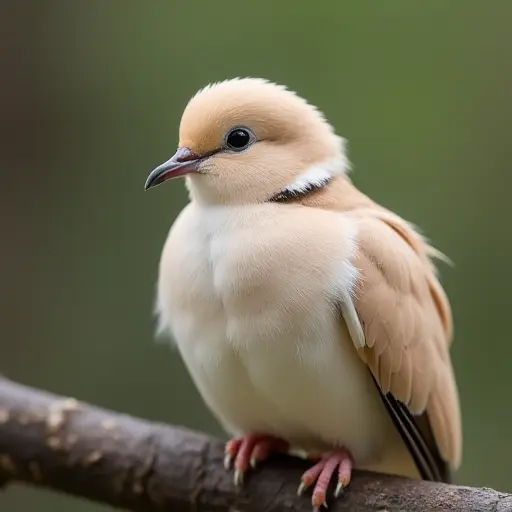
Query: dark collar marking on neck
291, 194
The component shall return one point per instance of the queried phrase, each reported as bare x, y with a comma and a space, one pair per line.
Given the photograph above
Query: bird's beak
184, 161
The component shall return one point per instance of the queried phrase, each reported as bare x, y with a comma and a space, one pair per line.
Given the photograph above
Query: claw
238, 478
228, 461
298, 452
319, 500
339, 490
345, 470
301, 489
249, 451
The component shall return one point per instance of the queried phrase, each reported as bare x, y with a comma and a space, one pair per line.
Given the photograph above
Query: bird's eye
238, 139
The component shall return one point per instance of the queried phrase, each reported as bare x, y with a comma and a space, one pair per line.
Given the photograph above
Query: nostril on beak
185, 155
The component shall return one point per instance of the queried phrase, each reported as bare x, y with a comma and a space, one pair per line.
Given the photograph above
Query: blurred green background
92, 93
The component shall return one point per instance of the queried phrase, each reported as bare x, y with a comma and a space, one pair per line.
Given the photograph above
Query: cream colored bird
310, 318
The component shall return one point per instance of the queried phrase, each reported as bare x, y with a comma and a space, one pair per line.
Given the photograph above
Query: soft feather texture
406, 317
257, 326
252, 290
292, 137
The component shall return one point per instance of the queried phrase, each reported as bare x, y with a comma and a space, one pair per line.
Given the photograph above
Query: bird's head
246, 141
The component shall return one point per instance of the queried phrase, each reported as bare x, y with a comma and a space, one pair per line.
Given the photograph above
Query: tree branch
65, 445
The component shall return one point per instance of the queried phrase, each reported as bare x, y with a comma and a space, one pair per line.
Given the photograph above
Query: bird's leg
321, 474
248, 451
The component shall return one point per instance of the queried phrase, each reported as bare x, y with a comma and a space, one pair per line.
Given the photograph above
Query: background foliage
91, 98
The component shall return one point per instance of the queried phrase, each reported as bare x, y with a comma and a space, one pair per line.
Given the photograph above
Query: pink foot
249, 451
322, 473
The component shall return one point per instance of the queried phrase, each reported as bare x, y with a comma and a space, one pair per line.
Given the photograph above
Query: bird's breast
266, 270
250, 296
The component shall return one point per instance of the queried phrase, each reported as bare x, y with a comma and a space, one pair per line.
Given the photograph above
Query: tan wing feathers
399, 283
426, 253
441, 302
403, 379
407, 323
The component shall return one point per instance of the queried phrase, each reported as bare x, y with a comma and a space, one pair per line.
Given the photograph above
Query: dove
311, 318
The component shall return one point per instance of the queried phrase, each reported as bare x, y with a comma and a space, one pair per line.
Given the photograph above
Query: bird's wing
405, 319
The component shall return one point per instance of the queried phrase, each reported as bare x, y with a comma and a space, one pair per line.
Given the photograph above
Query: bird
310, 318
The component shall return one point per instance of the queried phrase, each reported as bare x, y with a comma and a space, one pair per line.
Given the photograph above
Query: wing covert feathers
407, 322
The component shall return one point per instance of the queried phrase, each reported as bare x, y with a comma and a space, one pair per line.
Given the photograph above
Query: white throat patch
317, 176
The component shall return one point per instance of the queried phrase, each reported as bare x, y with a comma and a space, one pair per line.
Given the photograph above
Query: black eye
238, 139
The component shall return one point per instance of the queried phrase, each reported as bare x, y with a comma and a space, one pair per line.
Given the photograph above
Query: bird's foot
321, 474
249, 451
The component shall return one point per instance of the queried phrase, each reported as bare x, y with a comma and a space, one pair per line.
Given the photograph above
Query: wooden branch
129, 463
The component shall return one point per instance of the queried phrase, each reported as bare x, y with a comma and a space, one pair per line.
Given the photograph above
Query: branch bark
66, 445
